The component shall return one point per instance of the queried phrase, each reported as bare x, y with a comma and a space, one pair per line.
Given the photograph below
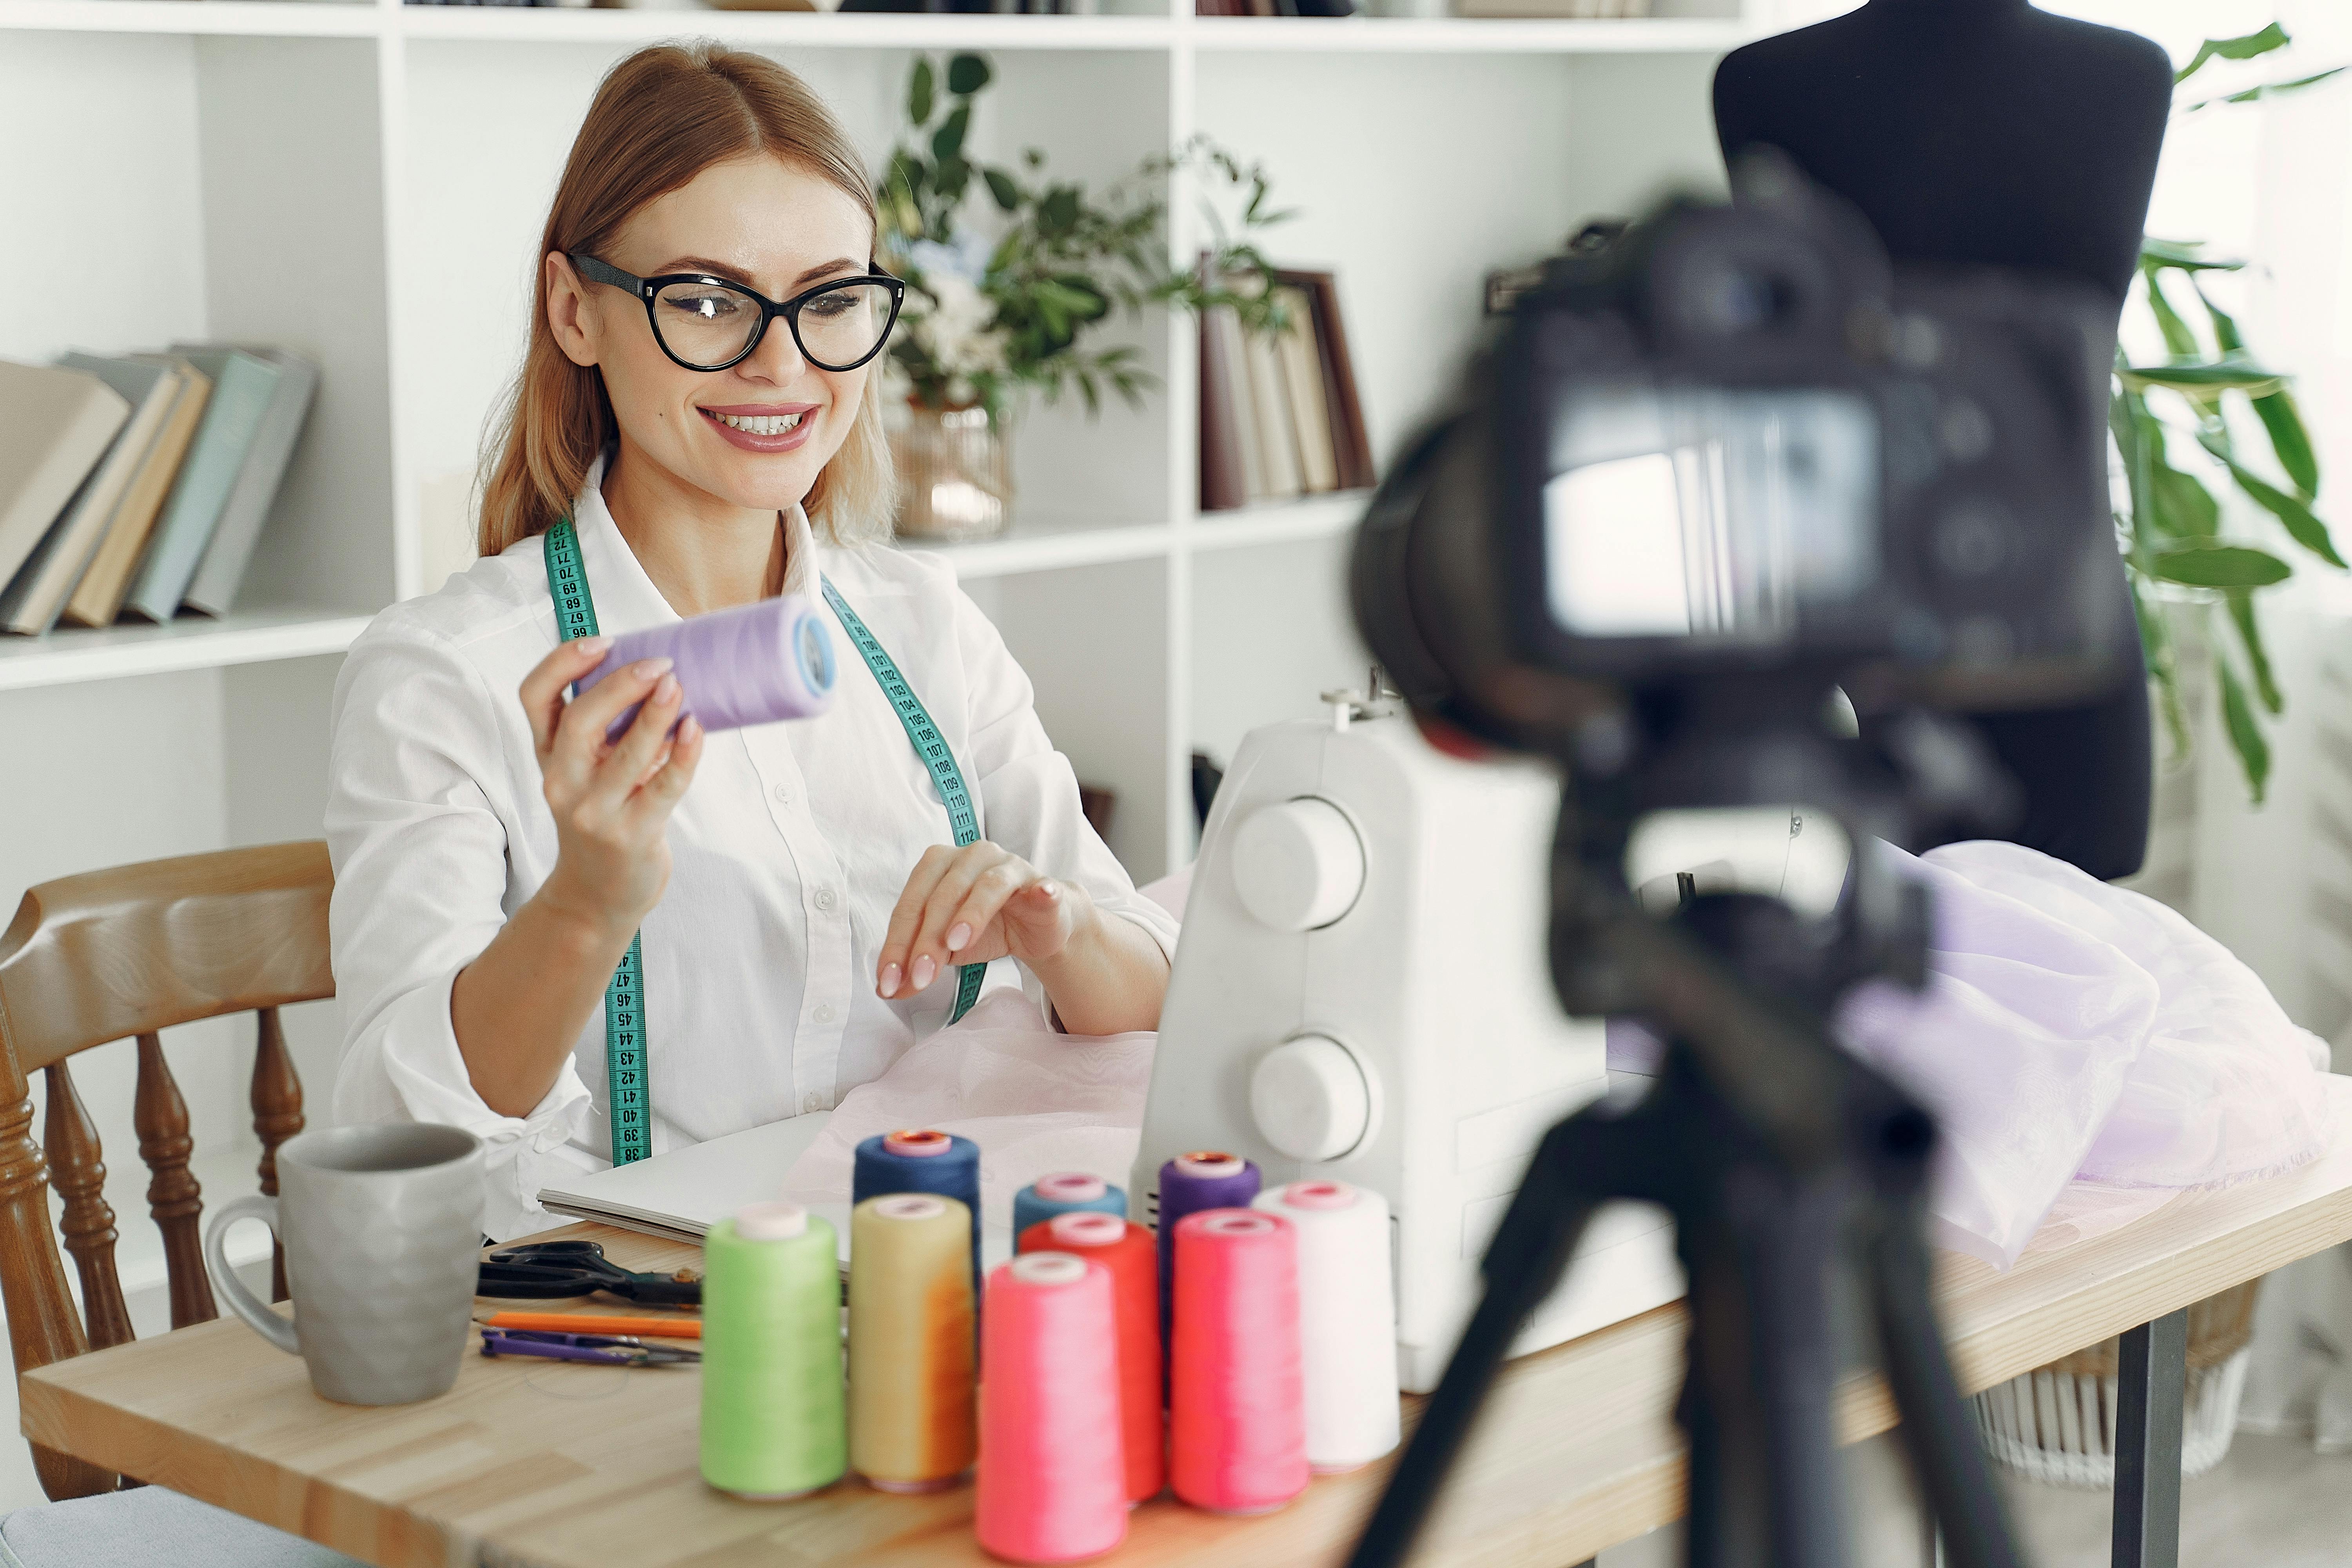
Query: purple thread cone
754, 664
1204, 1179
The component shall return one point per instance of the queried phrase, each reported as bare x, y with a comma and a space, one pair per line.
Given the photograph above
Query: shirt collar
625, 598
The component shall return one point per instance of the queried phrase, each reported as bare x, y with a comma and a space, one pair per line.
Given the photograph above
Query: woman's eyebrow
737, 275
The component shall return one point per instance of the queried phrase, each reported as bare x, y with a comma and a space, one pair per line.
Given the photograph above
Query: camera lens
1738, 299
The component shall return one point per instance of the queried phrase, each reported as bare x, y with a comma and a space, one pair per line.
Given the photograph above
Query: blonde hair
660, 118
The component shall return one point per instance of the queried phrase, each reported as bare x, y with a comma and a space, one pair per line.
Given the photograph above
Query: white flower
953, 330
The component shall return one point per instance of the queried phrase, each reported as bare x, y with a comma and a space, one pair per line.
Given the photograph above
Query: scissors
547, 1269
608, 1350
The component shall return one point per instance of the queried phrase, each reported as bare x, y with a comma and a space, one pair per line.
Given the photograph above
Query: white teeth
757, 424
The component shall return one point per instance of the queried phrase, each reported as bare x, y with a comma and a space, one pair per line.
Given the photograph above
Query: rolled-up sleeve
421, 886
1027, 789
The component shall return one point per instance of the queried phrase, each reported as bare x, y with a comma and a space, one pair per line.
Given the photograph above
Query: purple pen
754, 664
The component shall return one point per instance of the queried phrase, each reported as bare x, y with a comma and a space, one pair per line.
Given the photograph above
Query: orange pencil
592, 1324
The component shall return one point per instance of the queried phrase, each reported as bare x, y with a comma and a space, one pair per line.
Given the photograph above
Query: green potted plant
2176, 552
1012, 274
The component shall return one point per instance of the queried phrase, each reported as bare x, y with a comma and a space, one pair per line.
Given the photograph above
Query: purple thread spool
754, 664
1204, 1179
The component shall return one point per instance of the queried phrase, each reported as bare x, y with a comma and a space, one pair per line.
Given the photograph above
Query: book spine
1224, 485
213, 587
1277, 440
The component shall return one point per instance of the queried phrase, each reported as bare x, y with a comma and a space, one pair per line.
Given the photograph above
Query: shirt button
824, 1013
783, 794
825, 898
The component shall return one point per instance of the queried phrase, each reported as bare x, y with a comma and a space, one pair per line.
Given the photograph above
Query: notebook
96, 597
681, 1195
242, 387
55, 426
31, 603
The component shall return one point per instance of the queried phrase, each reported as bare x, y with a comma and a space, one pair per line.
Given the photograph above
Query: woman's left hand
971, 905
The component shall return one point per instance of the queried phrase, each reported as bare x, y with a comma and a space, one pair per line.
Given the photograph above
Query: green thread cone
773, 1418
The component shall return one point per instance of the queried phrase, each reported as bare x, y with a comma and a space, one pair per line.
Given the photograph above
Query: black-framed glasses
708, 323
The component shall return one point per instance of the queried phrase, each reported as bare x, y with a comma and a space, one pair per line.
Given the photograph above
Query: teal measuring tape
930, 746
628, 1078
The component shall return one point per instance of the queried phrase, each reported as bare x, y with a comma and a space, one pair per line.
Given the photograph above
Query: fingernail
924, 970
599, 645
689, 729
1051, 890
666, 689
957, 934
647, 668
889, 986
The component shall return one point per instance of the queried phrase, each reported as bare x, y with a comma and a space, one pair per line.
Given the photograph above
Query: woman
795, 893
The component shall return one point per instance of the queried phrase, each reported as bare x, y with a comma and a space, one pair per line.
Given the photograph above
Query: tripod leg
1954, 1478
2153, 1371
1525, 1259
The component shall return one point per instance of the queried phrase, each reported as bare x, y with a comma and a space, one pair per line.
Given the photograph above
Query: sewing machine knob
1310, 1099
1298, 866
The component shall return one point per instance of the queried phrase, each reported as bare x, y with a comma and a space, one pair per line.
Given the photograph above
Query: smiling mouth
758, 423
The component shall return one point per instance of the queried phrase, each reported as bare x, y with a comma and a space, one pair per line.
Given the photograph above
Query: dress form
1987, 132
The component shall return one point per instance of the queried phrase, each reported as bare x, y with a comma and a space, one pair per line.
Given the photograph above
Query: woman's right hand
611, 802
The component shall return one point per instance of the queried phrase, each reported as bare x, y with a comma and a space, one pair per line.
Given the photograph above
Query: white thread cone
1347, 1308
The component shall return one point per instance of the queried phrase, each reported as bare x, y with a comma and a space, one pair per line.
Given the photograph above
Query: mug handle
232, 1289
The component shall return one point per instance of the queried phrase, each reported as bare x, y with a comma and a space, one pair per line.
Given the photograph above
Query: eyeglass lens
709, 324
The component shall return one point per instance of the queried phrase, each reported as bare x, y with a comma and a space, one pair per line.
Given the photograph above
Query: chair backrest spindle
173, 1195
78, 1172
277, 1100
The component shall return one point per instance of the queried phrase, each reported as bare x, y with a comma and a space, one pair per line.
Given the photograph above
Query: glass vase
955, 474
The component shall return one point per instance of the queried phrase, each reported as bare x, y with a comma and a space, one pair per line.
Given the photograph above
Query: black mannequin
1986, 132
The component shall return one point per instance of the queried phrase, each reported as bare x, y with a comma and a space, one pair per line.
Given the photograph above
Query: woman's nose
778, 358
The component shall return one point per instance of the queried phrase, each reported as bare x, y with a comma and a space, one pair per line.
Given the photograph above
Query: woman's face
777, 229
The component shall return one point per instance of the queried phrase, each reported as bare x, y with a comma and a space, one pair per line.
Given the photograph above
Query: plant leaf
2182, 506
919, 94
1001, 186
2245, 48
2183, 254
2177, 337
2216, 375
947, 142
2226, 336
967, 74
2249, 638
2204, 566
2245, 732
2268, 90
2290, 442
2302, 523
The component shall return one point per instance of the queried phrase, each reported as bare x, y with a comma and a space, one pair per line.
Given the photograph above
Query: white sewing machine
1361, 993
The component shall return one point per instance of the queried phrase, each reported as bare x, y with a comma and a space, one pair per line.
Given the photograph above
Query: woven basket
2057, 1424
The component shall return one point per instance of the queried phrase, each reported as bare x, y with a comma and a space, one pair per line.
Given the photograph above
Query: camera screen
1707, 513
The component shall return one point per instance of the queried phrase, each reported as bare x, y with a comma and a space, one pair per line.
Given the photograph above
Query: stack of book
1280, 416
136, 484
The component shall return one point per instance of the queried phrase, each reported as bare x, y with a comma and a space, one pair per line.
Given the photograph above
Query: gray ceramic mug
382, 1226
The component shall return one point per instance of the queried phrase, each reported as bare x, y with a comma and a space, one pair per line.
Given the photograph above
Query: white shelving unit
365, 181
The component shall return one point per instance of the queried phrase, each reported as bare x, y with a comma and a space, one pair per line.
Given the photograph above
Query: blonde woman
694, 428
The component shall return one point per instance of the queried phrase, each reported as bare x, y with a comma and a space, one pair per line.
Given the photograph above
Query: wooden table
549, 1465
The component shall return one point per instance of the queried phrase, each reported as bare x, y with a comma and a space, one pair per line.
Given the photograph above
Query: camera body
1733, 442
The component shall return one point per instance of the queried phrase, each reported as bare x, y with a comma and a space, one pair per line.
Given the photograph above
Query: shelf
1280, 522
250, 18
809, 29
1044, 546
1466, 35
254, 636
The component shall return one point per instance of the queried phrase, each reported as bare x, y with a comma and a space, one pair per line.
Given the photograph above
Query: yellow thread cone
912, 1425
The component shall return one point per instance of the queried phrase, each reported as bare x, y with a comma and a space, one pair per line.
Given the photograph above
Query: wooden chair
112, 955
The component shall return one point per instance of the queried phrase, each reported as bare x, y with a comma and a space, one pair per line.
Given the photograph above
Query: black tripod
1783, 1160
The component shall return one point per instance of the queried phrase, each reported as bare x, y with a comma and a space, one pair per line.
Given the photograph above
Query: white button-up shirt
787, 854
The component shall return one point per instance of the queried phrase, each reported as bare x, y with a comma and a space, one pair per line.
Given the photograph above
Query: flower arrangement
1004, 299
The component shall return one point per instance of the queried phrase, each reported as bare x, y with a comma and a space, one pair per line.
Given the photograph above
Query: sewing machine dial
1311, 1098
1298, 866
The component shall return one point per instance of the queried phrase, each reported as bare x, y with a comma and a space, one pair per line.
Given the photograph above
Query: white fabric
1036, 1102
2072, 1029
788, 854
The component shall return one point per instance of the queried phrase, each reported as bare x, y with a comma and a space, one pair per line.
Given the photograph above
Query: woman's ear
569, 316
